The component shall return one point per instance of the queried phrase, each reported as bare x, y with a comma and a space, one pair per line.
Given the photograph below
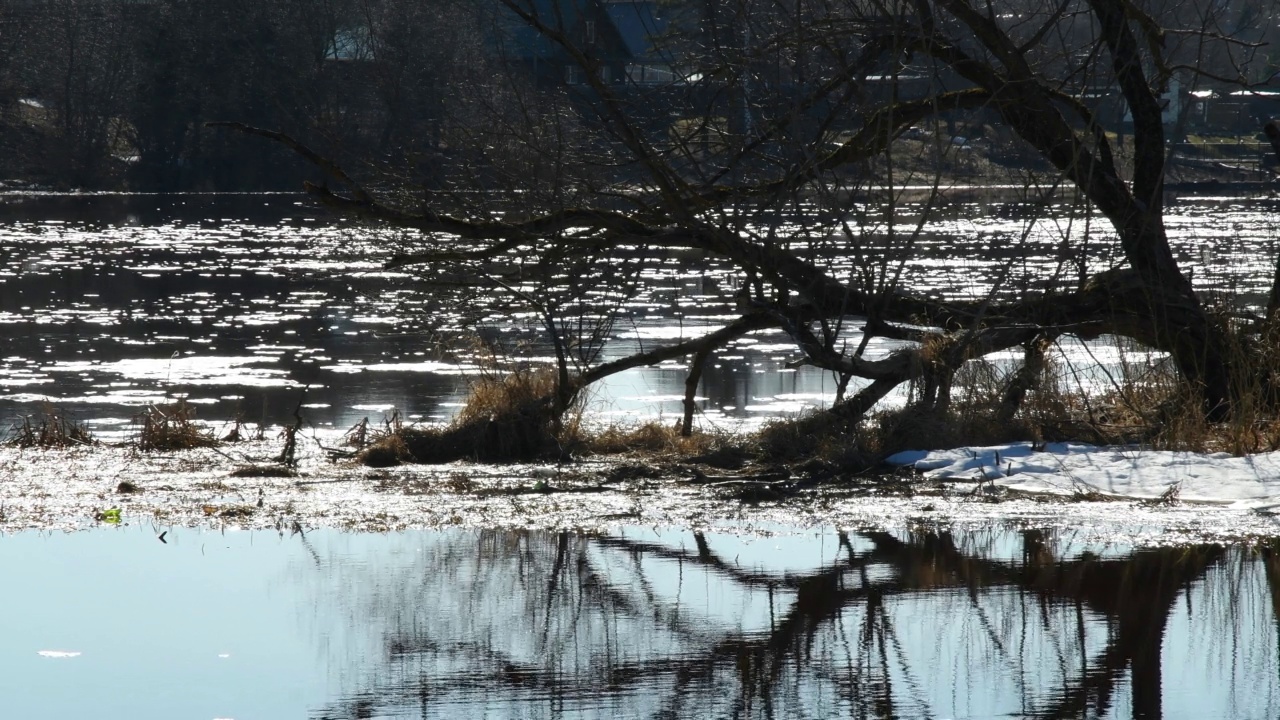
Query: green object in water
111, 515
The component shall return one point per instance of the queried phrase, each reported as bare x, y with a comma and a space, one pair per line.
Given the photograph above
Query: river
938, 605
146, 623
112, 302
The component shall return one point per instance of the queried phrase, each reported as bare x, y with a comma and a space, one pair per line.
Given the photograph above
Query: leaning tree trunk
1156, 304
1177, 320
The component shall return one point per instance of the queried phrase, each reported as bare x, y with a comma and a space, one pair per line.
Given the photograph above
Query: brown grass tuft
652, 437
813, 436
171, 427
51, 429
387, 451
492, 396
506, 419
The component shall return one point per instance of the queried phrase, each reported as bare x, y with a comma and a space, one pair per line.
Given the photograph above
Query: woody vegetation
772, 149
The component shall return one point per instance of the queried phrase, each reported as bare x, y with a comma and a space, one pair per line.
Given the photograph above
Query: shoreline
69, 490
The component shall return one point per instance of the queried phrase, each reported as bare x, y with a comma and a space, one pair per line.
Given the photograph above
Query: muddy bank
80, 488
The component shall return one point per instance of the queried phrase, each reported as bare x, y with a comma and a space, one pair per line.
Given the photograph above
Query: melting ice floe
1249, 482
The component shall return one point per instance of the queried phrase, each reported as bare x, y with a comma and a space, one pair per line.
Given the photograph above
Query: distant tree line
116, 93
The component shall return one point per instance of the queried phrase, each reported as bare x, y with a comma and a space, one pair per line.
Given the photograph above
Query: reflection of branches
596, 624
704, 557
562, 551
1138, 593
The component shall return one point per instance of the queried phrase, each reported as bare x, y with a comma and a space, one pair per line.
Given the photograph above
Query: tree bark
691, 389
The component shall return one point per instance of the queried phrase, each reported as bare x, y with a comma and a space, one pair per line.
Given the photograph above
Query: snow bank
1250, 482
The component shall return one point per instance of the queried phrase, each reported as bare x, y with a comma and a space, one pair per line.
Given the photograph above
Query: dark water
635, 624
111, 302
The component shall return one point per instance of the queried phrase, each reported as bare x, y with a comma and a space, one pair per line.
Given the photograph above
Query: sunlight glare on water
112, 302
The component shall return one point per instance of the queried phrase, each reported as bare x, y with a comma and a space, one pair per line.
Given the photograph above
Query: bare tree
778, 121
77, 58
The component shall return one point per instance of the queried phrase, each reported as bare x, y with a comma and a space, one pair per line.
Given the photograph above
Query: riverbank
95, 486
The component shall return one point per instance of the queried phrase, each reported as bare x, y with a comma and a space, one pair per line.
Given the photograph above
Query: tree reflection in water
1017, 623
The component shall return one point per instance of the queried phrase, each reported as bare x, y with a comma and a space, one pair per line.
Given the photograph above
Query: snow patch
1249, 482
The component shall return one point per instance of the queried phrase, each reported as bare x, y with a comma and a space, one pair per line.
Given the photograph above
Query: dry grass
970, 418
505, 419
1150, 406
928, 429
653, 437
170, 427
388, 451
815, 436
1255, 422
1146, 404
492, 396
51, 429
510, 418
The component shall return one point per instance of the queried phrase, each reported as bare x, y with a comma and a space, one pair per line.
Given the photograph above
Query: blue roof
638, 25
527, 42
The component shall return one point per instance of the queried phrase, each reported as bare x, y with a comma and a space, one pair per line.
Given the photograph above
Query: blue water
639, 623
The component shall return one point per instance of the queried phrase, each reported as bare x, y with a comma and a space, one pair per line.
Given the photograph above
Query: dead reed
653, 437
170, 427
52, 428
505, 419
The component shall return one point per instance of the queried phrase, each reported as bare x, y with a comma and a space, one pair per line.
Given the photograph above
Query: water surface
112, 302
633, 623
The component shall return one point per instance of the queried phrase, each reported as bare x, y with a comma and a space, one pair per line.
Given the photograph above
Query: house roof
638, 25
525, 41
